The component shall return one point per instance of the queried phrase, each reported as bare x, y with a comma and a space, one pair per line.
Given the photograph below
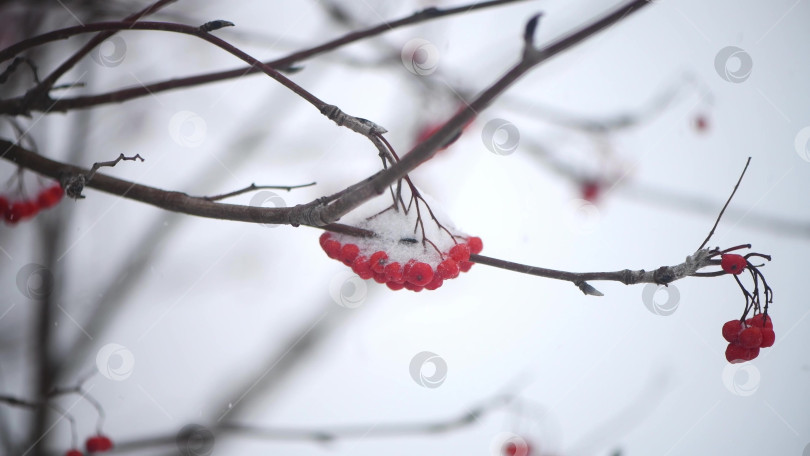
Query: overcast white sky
220, 299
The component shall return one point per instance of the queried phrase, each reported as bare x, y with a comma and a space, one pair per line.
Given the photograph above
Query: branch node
586, 288
528, 37
357, 124
664, 275
215, 25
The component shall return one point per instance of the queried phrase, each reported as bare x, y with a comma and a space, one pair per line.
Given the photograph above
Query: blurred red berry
591, 190
701, 123
74, 452
98, 443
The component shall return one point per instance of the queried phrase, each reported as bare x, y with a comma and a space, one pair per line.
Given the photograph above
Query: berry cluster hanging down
400, 271
15, 211
747, 336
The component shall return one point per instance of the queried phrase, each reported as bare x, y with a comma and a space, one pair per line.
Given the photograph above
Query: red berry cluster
745, 338
412, 275
13, 212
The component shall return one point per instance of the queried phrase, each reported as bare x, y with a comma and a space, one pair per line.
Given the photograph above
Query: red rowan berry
348, 253
379, 277
332, 248
768, 338
732, 330
737, 354
760, 321
324, 237
733, 263
476, 244
460, 252
435, 283
361, 267
4, 206
74, 452
750, 337
447, 269
412, 287
395, 285
419, 274
464, 266
378, 261
393, 273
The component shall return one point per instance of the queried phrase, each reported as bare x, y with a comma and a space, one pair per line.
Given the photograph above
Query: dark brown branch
377, 184
716, 222
40, 92
378, 430
164, 199
661, 276
322, 211
65, 104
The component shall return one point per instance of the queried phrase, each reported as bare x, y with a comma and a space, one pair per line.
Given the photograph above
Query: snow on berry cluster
398, 272
746, 337
15, 211
400, 259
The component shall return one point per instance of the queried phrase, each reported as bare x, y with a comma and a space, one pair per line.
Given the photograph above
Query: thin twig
253, 187
111, 163
661, 276
118, 96
716, 222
